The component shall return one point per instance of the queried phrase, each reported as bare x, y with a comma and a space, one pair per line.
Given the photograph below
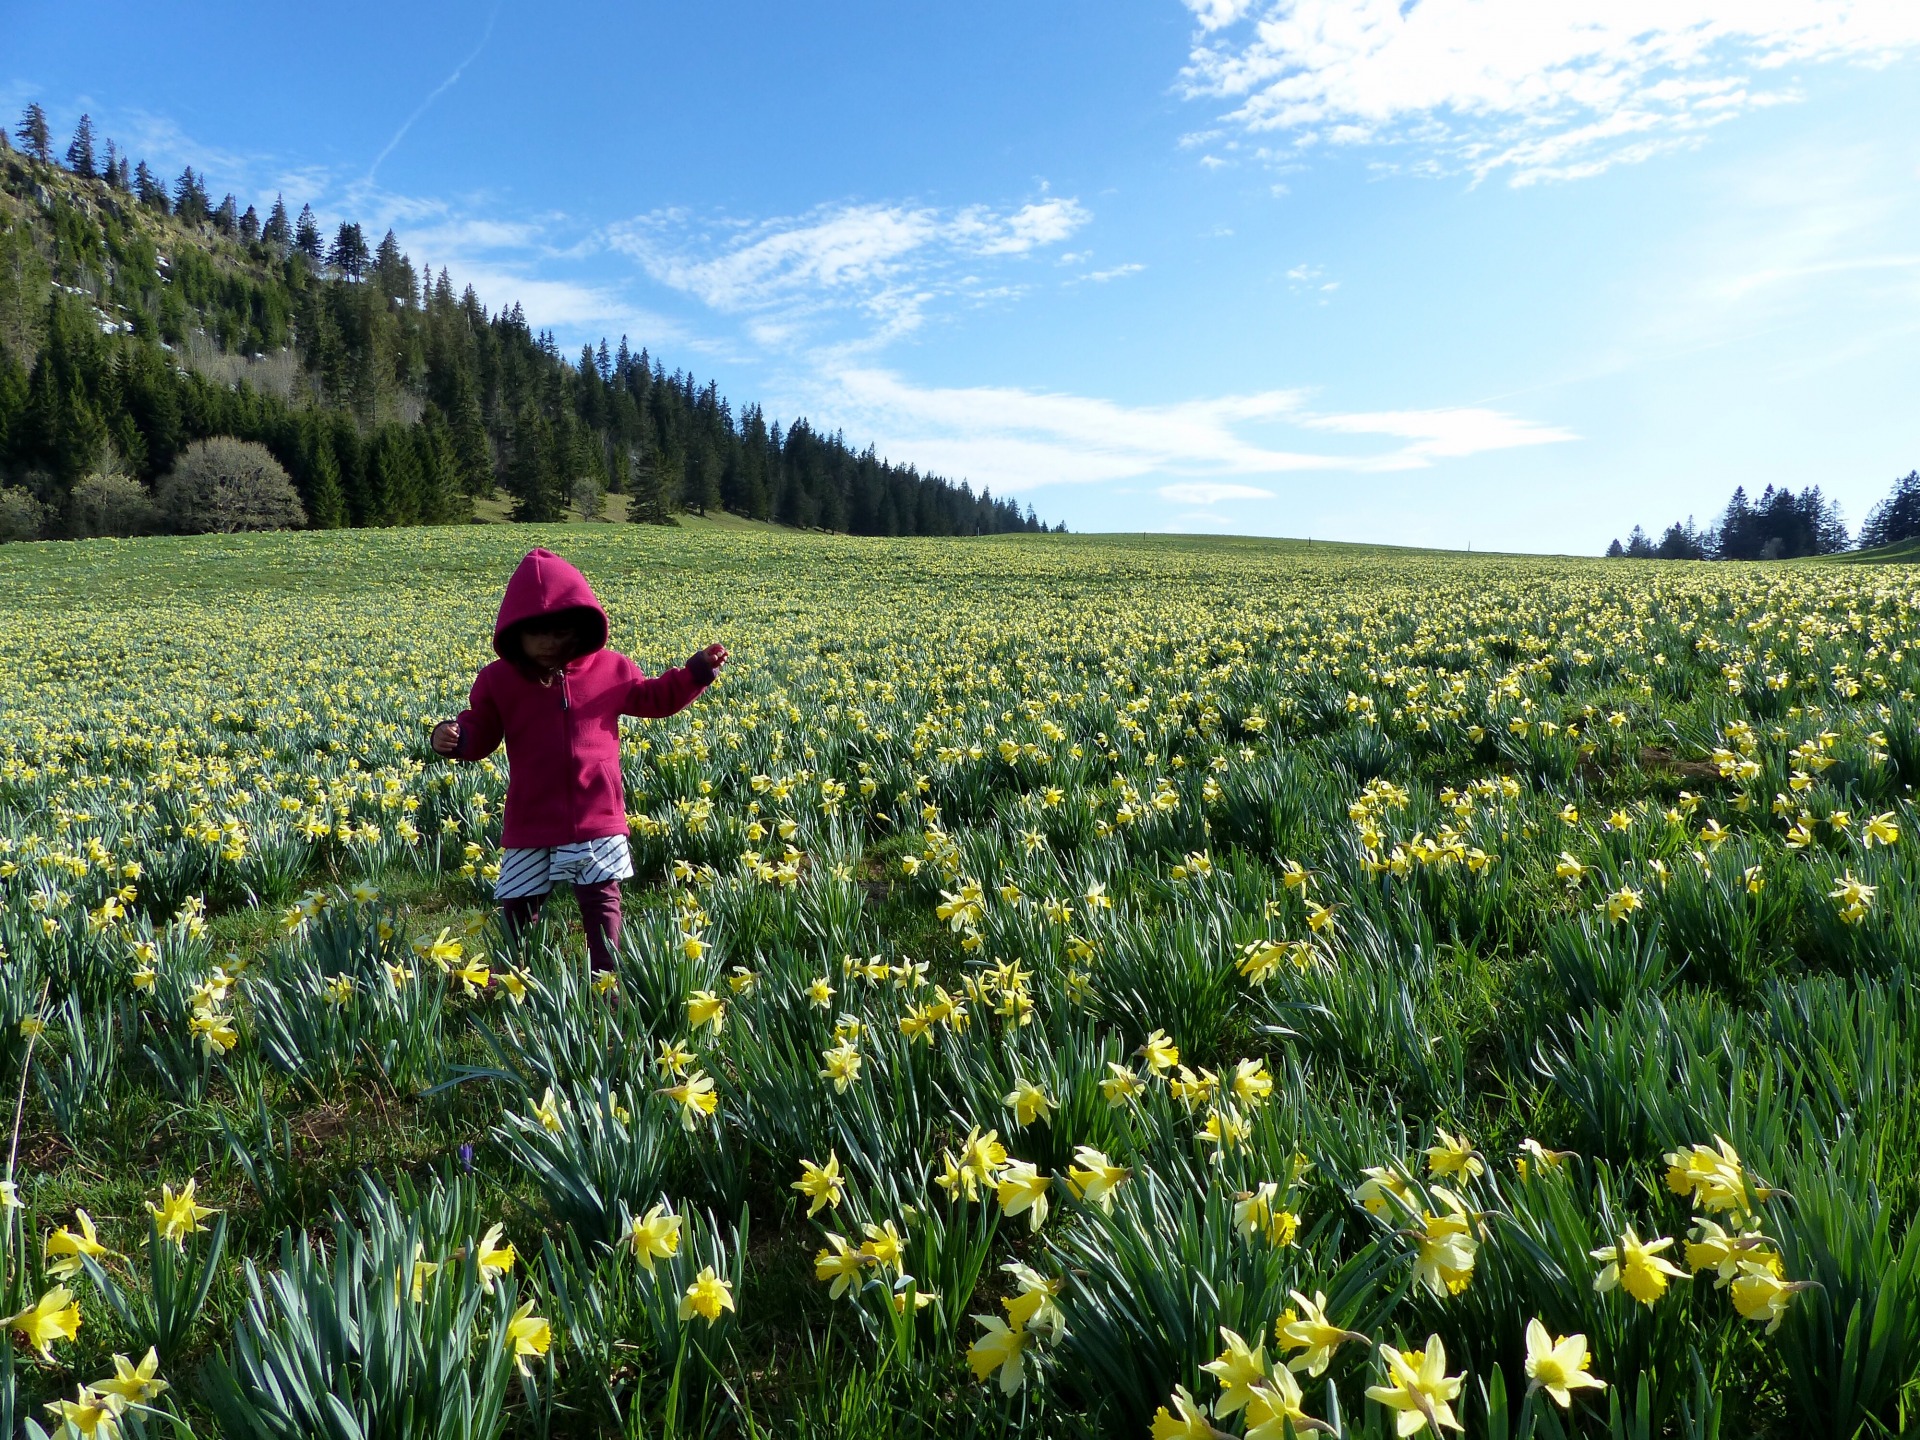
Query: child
556, 695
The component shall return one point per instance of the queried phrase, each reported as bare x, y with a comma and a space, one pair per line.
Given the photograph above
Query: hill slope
133, 322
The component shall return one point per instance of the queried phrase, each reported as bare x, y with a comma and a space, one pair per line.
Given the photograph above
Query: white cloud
1016, 439
1441, 434
1537, 89
1211, 492
1100, 277
884, 261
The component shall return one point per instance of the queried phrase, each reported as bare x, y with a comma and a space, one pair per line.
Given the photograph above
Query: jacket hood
544, 584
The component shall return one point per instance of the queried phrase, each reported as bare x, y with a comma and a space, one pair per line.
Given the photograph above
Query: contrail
439, 90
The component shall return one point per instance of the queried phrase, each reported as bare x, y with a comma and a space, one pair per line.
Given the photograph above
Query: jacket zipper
573, 787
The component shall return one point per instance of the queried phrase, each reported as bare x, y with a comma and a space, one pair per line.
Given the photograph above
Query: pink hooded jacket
563, 730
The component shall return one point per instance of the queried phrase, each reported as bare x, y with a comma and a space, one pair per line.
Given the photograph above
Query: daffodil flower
1001, 1349
1028, 1103
1418, 1388
1238, 1369
821, 1184
706, 1297
1093, 1177
528, 1335
838, 1265
1306, 1328
178, 1215
134, 1384
1636, 1267
1558, 1366
63, 1249
654, 1236
1022, 1190
54, 1316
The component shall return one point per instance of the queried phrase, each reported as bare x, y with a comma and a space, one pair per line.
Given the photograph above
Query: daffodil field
1071, 987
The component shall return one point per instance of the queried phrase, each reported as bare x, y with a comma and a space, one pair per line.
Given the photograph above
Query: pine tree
1895, 518
147, 186
33, 134
393, 271
226, 217
306, 235
472, 450
189, 197
647, 500
80, 151
122, 178
250, 225
348, 254
326, 505
277, 233
110, 166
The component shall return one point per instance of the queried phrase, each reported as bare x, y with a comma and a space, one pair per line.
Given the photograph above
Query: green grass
169, 683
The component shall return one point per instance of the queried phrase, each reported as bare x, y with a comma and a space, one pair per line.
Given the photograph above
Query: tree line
136, 318
1781, 525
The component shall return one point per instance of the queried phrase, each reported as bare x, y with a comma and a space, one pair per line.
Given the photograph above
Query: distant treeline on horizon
1781, 525
135, 320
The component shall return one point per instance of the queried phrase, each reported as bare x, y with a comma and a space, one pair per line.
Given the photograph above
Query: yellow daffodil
1558, 1366
821, 1184
1760, 1294
706, 1297
696, 1098
1186, 1421
706, 1008
654, 1236
134, 1384
1028, 1103
54, 1316
88, 1414
178, 1215
1637, 1267
1121, 1085
1022, 1190
1418, 1390
1093, 1177
838, 1265
1306, 1328
1160, 1052
1452, 1157
62, 1249
841, 1065
1237, 1369
528, 1335
1002, 1348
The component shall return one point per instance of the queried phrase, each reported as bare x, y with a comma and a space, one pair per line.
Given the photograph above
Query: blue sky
1508, 273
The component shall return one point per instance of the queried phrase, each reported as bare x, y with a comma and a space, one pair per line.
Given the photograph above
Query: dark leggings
599, 912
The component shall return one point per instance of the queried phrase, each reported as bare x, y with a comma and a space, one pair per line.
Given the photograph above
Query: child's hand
716, 655
446, 737
703, 665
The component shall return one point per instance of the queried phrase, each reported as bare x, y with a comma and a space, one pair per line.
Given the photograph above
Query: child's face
549, 646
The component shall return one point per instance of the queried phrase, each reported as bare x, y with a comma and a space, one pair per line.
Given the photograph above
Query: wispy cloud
1017, 439
1101, 277
438, 90
1534, 89
1211, 492
884, 262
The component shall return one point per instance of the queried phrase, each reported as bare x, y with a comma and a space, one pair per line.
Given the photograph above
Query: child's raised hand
446, 737
703, 665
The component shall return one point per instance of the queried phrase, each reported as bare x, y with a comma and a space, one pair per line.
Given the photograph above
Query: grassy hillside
134, 325
1142, 930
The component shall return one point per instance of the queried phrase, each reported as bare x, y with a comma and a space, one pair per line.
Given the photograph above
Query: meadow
1072, 986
